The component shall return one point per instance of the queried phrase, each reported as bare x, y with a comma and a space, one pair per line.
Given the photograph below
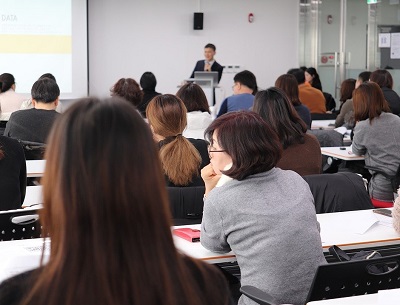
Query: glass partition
340, 38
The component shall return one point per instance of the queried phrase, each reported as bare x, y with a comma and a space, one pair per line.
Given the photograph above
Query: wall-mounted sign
384, 40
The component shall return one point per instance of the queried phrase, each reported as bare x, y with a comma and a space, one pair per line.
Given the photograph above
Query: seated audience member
259, 211
377, 137
198, 111
181, 158
10, 101
288, 84
148, 82
301, 151
244, 89
309, 96
312, 77
396, 213
385, 81
362, 78
27, 104
12, 174
34, 124
128, 89
349, 116
346, 101
98, 180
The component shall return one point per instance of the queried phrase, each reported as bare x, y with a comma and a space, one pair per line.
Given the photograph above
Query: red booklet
192, 235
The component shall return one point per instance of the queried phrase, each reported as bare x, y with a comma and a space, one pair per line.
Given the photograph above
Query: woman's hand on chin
210, 178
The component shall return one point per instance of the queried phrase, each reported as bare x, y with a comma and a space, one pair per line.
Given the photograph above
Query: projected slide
36, 38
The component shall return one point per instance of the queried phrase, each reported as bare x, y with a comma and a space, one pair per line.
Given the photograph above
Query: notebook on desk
201, 75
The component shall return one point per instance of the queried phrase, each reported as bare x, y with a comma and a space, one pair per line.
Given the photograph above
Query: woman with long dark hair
288, 84
278, 112
106, 211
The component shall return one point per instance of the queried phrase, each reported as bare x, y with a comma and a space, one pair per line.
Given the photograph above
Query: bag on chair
361, 255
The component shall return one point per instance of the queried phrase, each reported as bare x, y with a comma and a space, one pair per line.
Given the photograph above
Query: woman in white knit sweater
396, 213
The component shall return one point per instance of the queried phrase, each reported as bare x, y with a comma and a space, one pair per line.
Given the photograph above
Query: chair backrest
19, 224
337, 280
2, 127
186, 204
338, 192
328, 138
33, 150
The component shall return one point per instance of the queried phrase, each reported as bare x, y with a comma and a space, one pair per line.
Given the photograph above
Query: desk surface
35, 168
323, 124
342, 152
344, 229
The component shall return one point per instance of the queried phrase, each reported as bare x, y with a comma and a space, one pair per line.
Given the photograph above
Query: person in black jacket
209, 63
12, 174
148, 82
384, 80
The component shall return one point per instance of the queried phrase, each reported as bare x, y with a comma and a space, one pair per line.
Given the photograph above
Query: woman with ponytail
181, 158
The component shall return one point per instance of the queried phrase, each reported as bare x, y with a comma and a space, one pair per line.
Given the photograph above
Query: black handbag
361, 255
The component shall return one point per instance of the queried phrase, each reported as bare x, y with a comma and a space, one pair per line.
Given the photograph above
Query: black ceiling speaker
198, 21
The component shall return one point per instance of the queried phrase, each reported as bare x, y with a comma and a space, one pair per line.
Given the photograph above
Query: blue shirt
237, 102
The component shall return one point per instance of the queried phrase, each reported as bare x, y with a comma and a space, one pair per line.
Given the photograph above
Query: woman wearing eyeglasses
265, 215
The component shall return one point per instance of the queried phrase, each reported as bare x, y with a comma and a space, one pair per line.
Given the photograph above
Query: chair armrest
258, 295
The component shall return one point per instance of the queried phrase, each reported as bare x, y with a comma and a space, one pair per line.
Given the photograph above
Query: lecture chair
33, 150
338, 192
19, 224
2, 127
344, 279
186, 204
328, 138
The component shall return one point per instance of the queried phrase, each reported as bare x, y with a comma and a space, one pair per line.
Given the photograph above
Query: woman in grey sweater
377, 136
265, 215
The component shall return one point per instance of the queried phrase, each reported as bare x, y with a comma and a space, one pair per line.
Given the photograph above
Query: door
340, 38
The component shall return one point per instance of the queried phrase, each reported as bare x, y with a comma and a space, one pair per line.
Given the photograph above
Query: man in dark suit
209, 63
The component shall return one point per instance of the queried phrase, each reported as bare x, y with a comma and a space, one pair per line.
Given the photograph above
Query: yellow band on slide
41, 44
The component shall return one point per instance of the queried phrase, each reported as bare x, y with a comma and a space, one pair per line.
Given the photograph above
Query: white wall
129, 37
